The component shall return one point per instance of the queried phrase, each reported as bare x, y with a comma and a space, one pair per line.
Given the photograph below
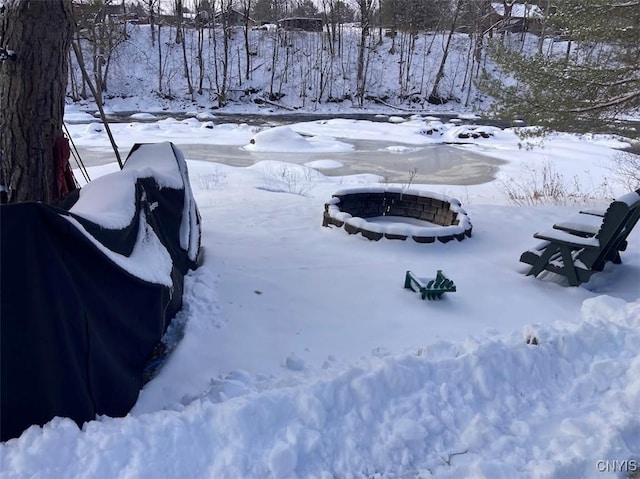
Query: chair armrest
561, 237
580, 224
594, 212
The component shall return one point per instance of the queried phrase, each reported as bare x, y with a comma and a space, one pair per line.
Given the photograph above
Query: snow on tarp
166, 165
149, 260
170, 170
85, 303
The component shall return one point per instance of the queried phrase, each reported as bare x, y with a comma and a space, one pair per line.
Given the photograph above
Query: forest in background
403, 53
550, 63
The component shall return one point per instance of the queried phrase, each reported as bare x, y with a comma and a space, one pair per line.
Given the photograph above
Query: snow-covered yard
303, 355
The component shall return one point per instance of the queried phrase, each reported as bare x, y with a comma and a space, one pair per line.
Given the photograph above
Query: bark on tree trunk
32, 91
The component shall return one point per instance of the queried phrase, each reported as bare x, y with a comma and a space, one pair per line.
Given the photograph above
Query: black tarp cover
87, 293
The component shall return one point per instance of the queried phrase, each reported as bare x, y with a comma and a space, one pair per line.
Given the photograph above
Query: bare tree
275, 55
179, 15
160, 65
474, 19
180, 39
331, 23
365, 8
223, 66
102, 35
204, 15
435, 97
32, 90
246, 10
151, 10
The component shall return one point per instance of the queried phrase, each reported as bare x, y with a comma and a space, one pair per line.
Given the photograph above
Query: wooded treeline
544, 61
401, 52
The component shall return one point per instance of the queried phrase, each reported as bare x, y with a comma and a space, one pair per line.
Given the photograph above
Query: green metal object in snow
429, 288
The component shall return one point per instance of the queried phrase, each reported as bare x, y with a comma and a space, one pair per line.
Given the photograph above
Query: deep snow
303, 355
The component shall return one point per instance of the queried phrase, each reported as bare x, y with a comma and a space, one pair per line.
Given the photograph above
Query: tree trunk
185, 61
151, 6
247, 47
179, 15
435, 97
365, 7
160, 69
32, 91
200, 56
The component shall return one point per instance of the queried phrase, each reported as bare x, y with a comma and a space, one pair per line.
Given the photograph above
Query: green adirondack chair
429, 288
581, 246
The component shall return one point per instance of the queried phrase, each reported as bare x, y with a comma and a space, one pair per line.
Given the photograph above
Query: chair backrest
619, 219
634, 216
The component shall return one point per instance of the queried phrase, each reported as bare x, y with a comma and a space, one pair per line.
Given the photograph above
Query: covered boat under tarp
87, 291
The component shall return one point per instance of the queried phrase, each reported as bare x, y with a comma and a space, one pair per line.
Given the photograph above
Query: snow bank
284, 139
501, 407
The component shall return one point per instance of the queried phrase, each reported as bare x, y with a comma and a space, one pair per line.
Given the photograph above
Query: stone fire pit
396, 213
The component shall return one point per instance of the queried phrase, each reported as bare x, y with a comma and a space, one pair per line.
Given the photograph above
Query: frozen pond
433, 164
398, 154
